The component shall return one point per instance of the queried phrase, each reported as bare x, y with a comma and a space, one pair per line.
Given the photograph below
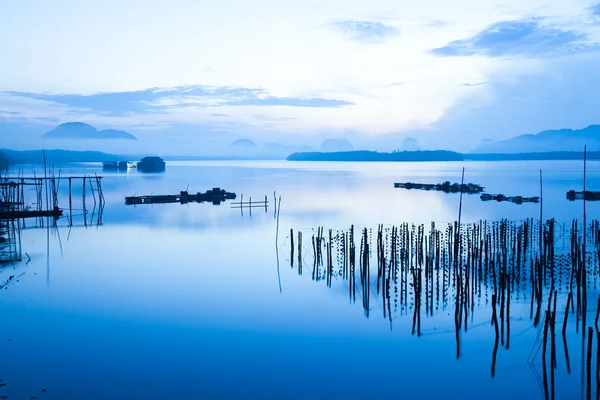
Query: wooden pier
587, 195
19, 203
55, 213
446, 187
511, 199
214, 195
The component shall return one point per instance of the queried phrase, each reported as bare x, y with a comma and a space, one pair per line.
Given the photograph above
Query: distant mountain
547, 141
410, 144
244, 144
80, 130
332, 145
552, 155
55, 156
15, 157
116, 134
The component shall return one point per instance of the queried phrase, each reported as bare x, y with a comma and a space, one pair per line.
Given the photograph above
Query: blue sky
206, 73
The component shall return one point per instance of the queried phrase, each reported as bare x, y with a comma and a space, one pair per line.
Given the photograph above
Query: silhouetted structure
215, 195
585, 195
151, 164
115, 165
511, 199
446, 187
38, 197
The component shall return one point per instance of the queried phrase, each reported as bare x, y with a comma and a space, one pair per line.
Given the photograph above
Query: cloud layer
365, 31
156, 100
530, 38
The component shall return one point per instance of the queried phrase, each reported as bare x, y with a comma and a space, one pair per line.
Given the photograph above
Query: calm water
178, 301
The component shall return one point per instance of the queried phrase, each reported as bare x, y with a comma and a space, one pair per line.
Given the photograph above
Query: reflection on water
450, 269
190, 301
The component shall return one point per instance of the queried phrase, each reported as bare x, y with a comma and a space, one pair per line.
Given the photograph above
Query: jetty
446, 187
8, 213
512, 199
587, 195
214, 195
38, 196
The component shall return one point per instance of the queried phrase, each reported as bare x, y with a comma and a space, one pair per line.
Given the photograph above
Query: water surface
187, 301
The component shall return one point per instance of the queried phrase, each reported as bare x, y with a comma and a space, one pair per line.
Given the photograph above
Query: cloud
289, 101
436, 24
473, 84
518, 38
365, 31
393, 84
157, 100
595, 10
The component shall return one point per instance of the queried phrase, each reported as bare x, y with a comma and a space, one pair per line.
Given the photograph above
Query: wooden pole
588, 368
84, 210
584, 208
541, 210
70, 203
462, 182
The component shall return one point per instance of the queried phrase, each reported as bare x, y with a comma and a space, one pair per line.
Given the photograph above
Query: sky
190, 76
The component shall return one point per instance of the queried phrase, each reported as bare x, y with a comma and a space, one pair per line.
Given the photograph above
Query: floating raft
446, 187
587, 195
215, 196
511, 199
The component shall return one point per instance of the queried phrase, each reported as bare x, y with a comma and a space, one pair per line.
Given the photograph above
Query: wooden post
584, 210
541, 210
70, 204
589, 364
458, 228
292, 248
84, 210
299, 252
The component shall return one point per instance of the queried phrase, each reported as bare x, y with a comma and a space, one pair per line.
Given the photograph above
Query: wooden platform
215, 195
56, 213
585, 195
446, 187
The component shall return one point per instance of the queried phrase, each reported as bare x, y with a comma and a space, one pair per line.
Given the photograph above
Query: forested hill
364, 155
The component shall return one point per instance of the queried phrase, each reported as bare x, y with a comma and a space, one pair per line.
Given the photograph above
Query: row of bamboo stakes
427, 270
